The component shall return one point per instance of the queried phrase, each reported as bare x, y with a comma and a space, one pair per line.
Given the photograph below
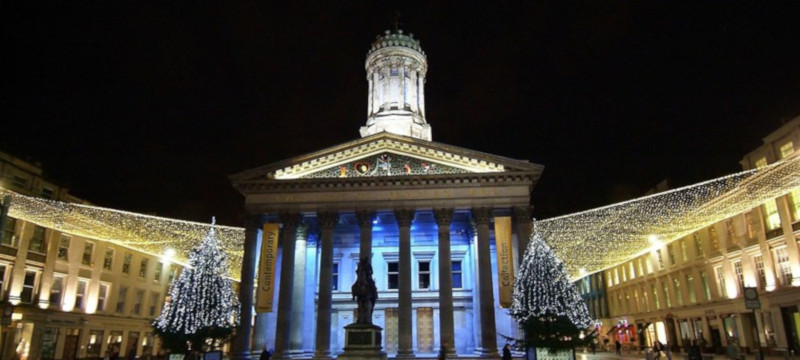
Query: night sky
149, 107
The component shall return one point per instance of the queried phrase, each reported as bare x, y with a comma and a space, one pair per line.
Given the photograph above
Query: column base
487, 353
405, 354
323, 355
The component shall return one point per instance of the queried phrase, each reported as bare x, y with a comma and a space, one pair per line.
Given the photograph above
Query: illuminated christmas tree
546, 303
202, 310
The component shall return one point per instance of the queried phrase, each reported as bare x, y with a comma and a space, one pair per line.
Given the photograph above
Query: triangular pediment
386, 154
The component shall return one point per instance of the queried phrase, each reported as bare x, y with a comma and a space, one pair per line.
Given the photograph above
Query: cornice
465, 180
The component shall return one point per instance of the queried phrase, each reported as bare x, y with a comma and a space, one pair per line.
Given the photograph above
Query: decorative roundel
361, 167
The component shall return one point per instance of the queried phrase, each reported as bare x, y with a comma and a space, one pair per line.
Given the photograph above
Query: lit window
37, 241
667, 300
108, 259
56, 289
641, 268
678, 292
632, 270
649, 263
8, 232
334, 276
783, 265
88, 249
786, 150
721, 281
706, 286
126, 263
772, 218
762, 276
424, 275
143, 267
737, 266
154, 303
655, 296
20, 181
456, 266
63, 248
29, 286
690, 286
794, 204
121, 297
671, 254
660, 260
159, 269
684, 253
137, 304
101, 297
392, 275
47, 193
624, 274
698, 245
173, 270
616, 276
80, 294
760, 163
733, 240
3, 272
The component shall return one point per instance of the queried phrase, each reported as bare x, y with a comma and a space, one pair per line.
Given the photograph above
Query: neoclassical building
425, 213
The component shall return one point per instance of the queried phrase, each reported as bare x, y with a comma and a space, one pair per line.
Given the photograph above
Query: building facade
72, 297
425, 214
692, 289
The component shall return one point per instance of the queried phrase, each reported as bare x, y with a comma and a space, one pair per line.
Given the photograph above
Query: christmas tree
546, 303
202, 309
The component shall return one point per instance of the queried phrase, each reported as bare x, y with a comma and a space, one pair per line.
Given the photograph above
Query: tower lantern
396, 67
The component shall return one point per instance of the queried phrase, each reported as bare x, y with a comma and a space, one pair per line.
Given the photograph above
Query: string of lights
597, 239
587, 242
146, 233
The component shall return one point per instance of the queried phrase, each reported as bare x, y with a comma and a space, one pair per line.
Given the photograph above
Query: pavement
635, 355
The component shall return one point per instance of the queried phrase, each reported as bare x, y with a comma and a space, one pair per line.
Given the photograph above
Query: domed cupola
396, 67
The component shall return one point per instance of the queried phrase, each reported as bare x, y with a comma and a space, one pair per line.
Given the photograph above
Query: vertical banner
505, 261
266, 268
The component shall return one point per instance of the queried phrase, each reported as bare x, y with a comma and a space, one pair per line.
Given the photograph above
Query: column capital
328, 220
290, 219
365, 217
443, 216
252, 220
302, 231
482, 215
523, 214
404, 217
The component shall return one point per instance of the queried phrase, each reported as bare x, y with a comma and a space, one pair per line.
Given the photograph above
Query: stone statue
364, 292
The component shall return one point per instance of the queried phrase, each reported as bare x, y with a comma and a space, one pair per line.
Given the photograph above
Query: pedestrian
265, 355
131, 354
593, 346
618, 347
733, 350
443, 353
656, 350
507, 352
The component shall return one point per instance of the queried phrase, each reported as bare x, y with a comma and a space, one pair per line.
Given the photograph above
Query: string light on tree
546, 302
202, 304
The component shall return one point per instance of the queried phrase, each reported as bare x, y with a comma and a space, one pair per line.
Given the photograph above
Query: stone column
446, 327
327, 222
241, 344
298, 290
283, 324
405, 348
524, 227
488, 345
365, 218
792, 249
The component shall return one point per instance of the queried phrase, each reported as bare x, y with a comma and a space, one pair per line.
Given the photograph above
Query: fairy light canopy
594, 240
171, 239
587, 242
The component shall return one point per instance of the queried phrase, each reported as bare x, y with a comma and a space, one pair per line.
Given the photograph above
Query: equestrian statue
364, 292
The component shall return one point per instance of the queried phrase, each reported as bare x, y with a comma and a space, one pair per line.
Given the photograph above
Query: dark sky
148, 107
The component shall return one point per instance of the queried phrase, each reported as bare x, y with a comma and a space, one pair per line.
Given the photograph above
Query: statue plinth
363, 342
